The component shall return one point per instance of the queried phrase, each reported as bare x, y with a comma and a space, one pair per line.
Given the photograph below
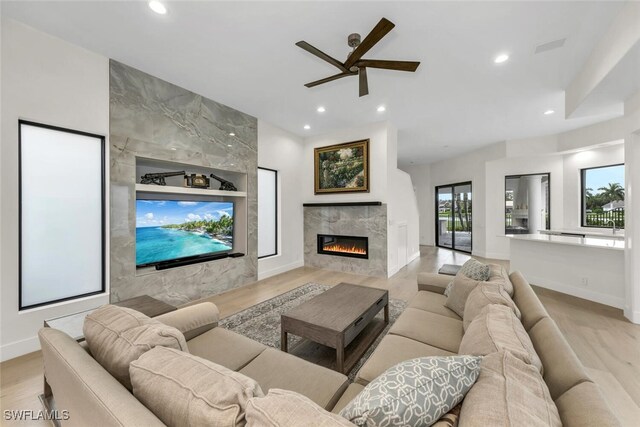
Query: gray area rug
262, 323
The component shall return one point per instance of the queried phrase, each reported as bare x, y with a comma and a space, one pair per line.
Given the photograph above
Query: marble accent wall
369, 221
149, 117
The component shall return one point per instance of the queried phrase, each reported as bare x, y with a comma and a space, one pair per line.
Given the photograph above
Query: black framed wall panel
267, 212
61, 214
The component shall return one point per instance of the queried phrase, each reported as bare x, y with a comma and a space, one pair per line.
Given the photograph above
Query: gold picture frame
342, 168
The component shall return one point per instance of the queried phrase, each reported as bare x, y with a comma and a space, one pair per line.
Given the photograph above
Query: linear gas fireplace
349, 246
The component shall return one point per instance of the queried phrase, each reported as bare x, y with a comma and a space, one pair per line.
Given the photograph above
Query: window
62, 222
267, 212
603, 196
527, 202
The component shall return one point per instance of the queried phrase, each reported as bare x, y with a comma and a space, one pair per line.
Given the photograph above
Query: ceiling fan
355, 65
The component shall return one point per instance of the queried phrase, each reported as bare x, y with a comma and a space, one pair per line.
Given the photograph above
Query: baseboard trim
413, 257
19, 348
587, 294
279, 270
633, 316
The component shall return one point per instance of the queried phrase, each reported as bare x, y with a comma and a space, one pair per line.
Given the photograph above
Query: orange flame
337, 247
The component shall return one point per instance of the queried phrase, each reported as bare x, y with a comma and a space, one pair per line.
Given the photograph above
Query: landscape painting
171, 229
342, 168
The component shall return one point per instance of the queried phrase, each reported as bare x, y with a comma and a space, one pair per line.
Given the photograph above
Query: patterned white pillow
447, 290
476, 270
415, 392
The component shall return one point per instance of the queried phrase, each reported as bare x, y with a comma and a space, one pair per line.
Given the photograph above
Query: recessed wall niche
154, 125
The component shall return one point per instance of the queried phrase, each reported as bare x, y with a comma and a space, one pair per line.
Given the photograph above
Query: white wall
282, 151
632, 230
573, 163
50, 81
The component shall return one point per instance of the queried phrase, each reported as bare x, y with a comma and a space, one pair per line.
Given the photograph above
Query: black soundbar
194, 260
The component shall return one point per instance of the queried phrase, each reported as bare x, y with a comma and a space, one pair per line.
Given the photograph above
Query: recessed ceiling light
232, 164
501, 58
229, 145
549, 112
173, 148
321, 110
232, 134
381, 109
307, 127
157, 7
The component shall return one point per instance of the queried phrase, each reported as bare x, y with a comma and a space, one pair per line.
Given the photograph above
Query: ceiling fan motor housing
353, 40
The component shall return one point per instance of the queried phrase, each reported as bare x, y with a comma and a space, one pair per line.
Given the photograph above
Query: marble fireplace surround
367, 219
149, 117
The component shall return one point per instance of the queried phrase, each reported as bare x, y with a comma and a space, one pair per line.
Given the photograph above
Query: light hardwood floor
607, 344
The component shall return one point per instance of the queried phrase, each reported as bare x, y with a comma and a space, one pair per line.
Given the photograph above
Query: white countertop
588, 233
592, 242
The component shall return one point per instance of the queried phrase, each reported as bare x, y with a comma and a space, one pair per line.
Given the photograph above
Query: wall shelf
170, 189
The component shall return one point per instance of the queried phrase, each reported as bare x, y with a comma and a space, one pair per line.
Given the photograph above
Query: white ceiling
243, 54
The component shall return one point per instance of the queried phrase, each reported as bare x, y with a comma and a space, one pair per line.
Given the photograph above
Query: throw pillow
500, 275
414, 392
509, 392
117, 336
185, 390
497, 329
450, 419
460, 290
447, 290
483, 295
475, 270
284, 408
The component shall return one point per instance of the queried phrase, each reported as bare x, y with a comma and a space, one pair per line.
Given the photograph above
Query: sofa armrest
433, 282
192, 320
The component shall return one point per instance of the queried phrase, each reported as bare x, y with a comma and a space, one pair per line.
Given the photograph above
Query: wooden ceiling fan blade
410, 66
329, 79
381, 29
320, 54
364, 84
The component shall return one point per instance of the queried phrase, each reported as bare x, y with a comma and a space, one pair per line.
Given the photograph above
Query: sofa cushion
276, 369
392, 350
562, 368
429, 328
225, 348
117, 336
348, 395
183, 389
524, 296
433, 282
474, 269
584, 405
499, 274
415, 392
430, 301
497, 329
285, 408
460, 290
509, 392
483, 295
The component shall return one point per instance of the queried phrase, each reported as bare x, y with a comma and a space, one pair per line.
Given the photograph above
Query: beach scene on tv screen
172, 229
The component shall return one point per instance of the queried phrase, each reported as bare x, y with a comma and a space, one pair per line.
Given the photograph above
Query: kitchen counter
593, 242
603, 234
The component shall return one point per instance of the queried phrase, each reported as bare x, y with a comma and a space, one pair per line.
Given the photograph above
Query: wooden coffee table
336, 318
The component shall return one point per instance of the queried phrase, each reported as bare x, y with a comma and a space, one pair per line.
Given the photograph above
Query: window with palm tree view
603, 197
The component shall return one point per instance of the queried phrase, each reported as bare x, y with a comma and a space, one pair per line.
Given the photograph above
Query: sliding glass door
454, 216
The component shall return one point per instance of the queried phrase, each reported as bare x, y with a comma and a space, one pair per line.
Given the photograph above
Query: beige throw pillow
497, 329
185, 390
460, 290
508, 392
117, 336
498, 274
284, 408
483, 295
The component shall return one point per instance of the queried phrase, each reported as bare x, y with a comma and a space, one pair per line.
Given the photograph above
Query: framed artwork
342, 168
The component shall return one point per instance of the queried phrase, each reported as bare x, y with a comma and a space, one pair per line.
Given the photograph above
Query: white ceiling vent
545, 47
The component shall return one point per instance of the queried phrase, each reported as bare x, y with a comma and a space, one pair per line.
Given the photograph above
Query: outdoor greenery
220, 227
461, 212
594, 202
342, 168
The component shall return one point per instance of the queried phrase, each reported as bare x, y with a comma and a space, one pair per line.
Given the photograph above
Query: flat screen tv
172, 230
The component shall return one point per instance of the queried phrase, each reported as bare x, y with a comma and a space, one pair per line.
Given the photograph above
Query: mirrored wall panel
62, 221
527, 203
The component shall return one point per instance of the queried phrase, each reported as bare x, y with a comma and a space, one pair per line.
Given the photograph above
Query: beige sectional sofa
426, 328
